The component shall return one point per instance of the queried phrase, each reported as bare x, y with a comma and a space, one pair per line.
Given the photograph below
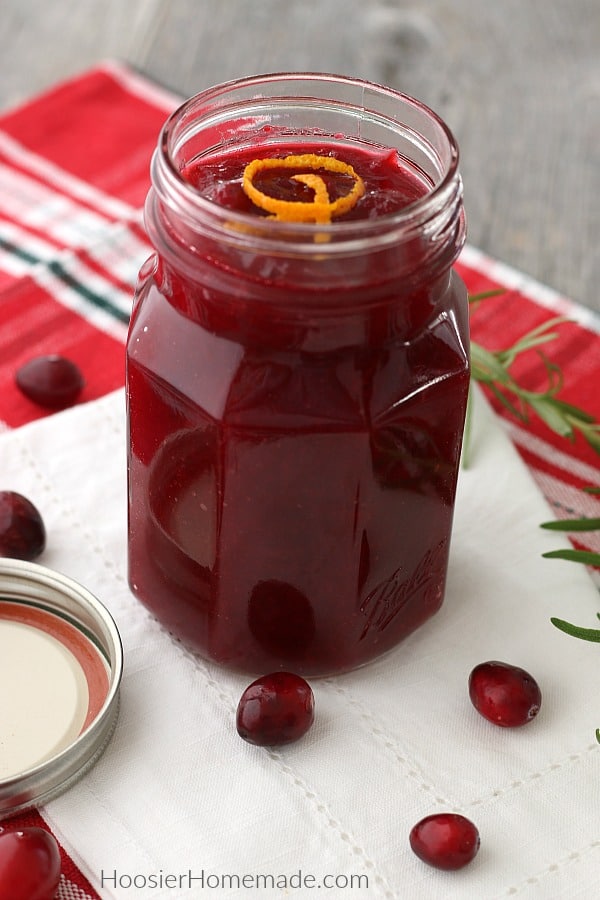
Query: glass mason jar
296, 390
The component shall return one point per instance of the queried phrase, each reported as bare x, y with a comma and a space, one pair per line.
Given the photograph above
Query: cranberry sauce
389, 185
292, 473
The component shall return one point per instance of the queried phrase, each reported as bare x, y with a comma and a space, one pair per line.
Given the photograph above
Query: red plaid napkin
74, 169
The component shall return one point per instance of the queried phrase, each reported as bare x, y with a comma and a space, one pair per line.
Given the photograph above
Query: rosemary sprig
582, 524
586, 557
585, 634
572, 525
492, 369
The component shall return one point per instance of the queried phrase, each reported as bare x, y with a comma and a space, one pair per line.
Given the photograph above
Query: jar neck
301, 265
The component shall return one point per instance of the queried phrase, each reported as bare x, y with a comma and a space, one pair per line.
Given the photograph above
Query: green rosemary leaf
517, 412
572, 525
509, 354
475, 299
485, 365
591, 433
585, 634
569, 410
492, 368
587, 557
555, 375
598, 735
465, 460
552, 416
547, 325
533, 338
592, 490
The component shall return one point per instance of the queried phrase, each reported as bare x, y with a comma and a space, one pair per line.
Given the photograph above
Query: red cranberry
275, 709
22, 532
504, 694
51, 381
29, 865
445, 840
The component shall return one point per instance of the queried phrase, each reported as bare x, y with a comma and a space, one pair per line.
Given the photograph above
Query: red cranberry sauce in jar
389, 185
295, 438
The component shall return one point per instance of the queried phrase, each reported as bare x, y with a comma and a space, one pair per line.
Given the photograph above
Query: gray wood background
518, 81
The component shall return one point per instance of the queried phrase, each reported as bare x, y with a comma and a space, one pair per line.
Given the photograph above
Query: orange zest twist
322, 209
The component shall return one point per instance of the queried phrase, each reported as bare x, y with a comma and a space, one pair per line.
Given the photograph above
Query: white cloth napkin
179, 796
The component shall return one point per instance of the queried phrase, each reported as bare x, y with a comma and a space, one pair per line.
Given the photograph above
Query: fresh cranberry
445, 840
505, 695
275, 709
51, 381
22, 532
29, 865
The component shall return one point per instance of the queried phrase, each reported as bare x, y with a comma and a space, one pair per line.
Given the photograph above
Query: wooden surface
518, 81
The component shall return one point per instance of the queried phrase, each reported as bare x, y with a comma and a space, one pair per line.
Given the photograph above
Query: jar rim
217, 101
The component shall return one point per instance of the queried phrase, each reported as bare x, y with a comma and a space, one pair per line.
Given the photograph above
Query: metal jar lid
61, 662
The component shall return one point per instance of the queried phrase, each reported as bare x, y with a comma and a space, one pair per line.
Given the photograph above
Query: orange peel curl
322, 209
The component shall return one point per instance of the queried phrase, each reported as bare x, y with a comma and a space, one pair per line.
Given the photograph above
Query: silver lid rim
25, 581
